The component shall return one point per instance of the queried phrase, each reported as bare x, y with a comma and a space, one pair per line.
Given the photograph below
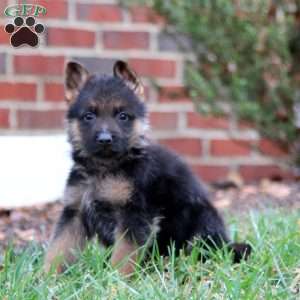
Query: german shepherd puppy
124, 188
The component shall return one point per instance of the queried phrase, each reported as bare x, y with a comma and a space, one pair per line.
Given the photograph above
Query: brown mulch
266, 194
22, 225
29, 224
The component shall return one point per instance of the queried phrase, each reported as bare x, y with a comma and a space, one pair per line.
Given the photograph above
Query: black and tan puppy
124, 188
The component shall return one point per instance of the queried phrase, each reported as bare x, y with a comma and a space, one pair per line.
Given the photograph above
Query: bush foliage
243, 53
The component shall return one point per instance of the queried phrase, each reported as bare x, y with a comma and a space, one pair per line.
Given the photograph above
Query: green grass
268, 274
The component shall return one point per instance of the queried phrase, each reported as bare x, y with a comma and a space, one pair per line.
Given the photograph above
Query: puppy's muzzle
104, 138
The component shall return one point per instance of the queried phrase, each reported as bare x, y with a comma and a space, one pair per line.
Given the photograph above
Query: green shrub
244, 54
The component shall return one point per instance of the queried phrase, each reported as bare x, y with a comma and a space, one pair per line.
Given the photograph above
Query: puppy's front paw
124, 256
54, 264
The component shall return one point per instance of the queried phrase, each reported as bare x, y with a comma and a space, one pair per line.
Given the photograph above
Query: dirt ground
20, 226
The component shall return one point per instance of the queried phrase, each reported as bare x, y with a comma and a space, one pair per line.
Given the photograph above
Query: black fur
68, 214
75, 177
164, 188
167, 199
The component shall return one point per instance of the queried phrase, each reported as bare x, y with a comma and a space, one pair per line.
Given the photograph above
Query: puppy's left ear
75, 77
122, 70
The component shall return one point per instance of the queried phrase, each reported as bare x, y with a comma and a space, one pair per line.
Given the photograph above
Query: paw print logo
24, 34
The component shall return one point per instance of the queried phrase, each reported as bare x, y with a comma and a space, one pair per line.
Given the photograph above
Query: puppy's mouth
107, 152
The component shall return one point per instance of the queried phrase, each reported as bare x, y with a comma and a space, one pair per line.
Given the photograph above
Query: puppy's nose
104, 138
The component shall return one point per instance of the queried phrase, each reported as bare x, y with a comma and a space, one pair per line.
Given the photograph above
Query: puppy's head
106, 118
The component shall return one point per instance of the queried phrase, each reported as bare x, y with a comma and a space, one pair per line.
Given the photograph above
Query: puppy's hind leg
69, 235
211, 230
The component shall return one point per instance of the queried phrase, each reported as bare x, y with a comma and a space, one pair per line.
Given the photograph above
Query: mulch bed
22, 225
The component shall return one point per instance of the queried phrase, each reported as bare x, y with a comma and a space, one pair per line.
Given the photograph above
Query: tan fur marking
140, 91
93, 105
115, 104
109, 106
73, 195
70, 95
115, 189
124, 255
74, 128
61, 248
139, 132
75, 134
141, 126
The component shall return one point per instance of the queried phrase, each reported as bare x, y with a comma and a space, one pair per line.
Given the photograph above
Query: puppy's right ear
123, 71
75, 77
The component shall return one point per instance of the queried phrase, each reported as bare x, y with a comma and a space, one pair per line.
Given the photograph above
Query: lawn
270, 273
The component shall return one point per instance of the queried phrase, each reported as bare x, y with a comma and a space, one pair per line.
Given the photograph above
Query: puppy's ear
122, 70
75, 77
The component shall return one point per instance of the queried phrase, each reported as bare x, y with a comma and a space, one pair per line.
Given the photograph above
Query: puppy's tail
240, 251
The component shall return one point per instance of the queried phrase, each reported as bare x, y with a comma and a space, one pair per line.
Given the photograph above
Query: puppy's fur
123, 187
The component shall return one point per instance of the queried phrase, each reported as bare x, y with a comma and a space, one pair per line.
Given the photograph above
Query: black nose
104, 138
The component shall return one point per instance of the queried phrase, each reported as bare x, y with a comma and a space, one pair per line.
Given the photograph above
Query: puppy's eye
89, 116
123, 116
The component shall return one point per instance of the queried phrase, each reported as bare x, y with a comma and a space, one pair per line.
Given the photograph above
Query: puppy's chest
116, 190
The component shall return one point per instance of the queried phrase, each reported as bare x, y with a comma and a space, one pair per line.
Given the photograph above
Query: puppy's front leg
69, 235
124, 254
136, 228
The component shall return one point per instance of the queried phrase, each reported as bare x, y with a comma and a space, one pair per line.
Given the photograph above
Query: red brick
230, 147
163, 120
4, 118
154, 67
38, 64
173, 94
3, 5
145, 14
56, 9
70, 37
244, 125
268, 147
99, 12
254, 173
195, 120
125, 40
54, 92
185, 146
210, 173
4, 36
17, 91
32, 119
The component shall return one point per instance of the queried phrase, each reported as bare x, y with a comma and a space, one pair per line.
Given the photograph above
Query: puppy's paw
55, 265
240, 251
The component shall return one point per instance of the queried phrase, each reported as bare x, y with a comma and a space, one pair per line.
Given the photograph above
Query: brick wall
97, 33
